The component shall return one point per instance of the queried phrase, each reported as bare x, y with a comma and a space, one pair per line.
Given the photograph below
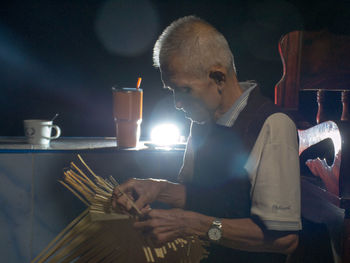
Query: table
35, 207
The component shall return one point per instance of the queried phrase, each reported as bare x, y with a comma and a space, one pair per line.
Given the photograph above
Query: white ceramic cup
38, 132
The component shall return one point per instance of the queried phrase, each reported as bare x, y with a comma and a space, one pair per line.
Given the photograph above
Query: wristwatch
215, 230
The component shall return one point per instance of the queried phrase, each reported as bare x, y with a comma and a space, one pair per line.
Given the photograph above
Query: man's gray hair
195, 41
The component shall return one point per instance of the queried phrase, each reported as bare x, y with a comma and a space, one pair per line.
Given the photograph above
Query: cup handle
58, 132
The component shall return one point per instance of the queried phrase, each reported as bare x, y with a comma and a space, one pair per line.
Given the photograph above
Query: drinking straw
138, 83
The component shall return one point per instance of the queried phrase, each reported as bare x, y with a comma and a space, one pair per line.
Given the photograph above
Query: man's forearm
245, 234
173, 194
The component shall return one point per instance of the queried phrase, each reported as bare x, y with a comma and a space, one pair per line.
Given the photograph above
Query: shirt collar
229, 117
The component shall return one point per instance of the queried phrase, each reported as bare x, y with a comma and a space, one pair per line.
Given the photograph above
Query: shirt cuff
282, 225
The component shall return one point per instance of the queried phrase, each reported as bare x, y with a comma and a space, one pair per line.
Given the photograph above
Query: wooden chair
320, 61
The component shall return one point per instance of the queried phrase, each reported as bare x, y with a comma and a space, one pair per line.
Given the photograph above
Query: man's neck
230, 94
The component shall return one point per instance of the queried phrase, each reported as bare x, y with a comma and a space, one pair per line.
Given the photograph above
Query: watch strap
217, 223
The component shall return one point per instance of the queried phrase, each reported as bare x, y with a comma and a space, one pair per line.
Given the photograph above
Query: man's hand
141, 191
167, 225
145, 191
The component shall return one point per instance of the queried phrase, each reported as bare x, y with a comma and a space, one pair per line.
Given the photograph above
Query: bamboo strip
173, 246
71, 181
75, 193
189, 249
107, 182
98, 251
83, 183
92, 172
78, 251
101, 255
64, 239
96, 216
61, 234
87, 182
129, 200
88, 243
113, 181
87, 167
108, 240
81, 172
112, 258
74, 242
146, 254
150, 254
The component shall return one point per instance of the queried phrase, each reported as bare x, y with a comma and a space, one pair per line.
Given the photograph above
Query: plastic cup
127, 112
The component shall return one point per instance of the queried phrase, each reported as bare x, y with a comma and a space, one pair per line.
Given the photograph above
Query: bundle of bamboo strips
104, 234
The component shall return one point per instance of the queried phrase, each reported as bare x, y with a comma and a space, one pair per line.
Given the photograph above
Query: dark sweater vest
220, 185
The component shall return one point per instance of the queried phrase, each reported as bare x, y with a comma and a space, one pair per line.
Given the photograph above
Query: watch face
214, 234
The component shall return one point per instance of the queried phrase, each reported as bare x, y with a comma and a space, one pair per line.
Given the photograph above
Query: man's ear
219, 78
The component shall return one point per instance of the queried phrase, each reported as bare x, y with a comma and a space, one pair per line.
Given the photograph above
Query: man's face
198, 97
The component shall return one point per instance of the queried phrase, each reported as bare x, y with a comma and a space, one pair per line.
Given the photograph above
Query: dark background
64, 56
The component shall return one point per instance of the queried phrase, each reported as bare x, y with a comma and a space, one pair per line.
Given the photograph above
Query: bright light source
165, 134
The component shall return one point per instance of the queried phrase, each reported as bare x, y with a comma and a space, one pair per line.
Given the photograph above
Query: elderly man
240, 176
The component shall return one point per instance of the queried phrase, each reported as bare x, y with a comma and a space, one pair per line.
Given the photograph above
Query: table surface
10, 144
